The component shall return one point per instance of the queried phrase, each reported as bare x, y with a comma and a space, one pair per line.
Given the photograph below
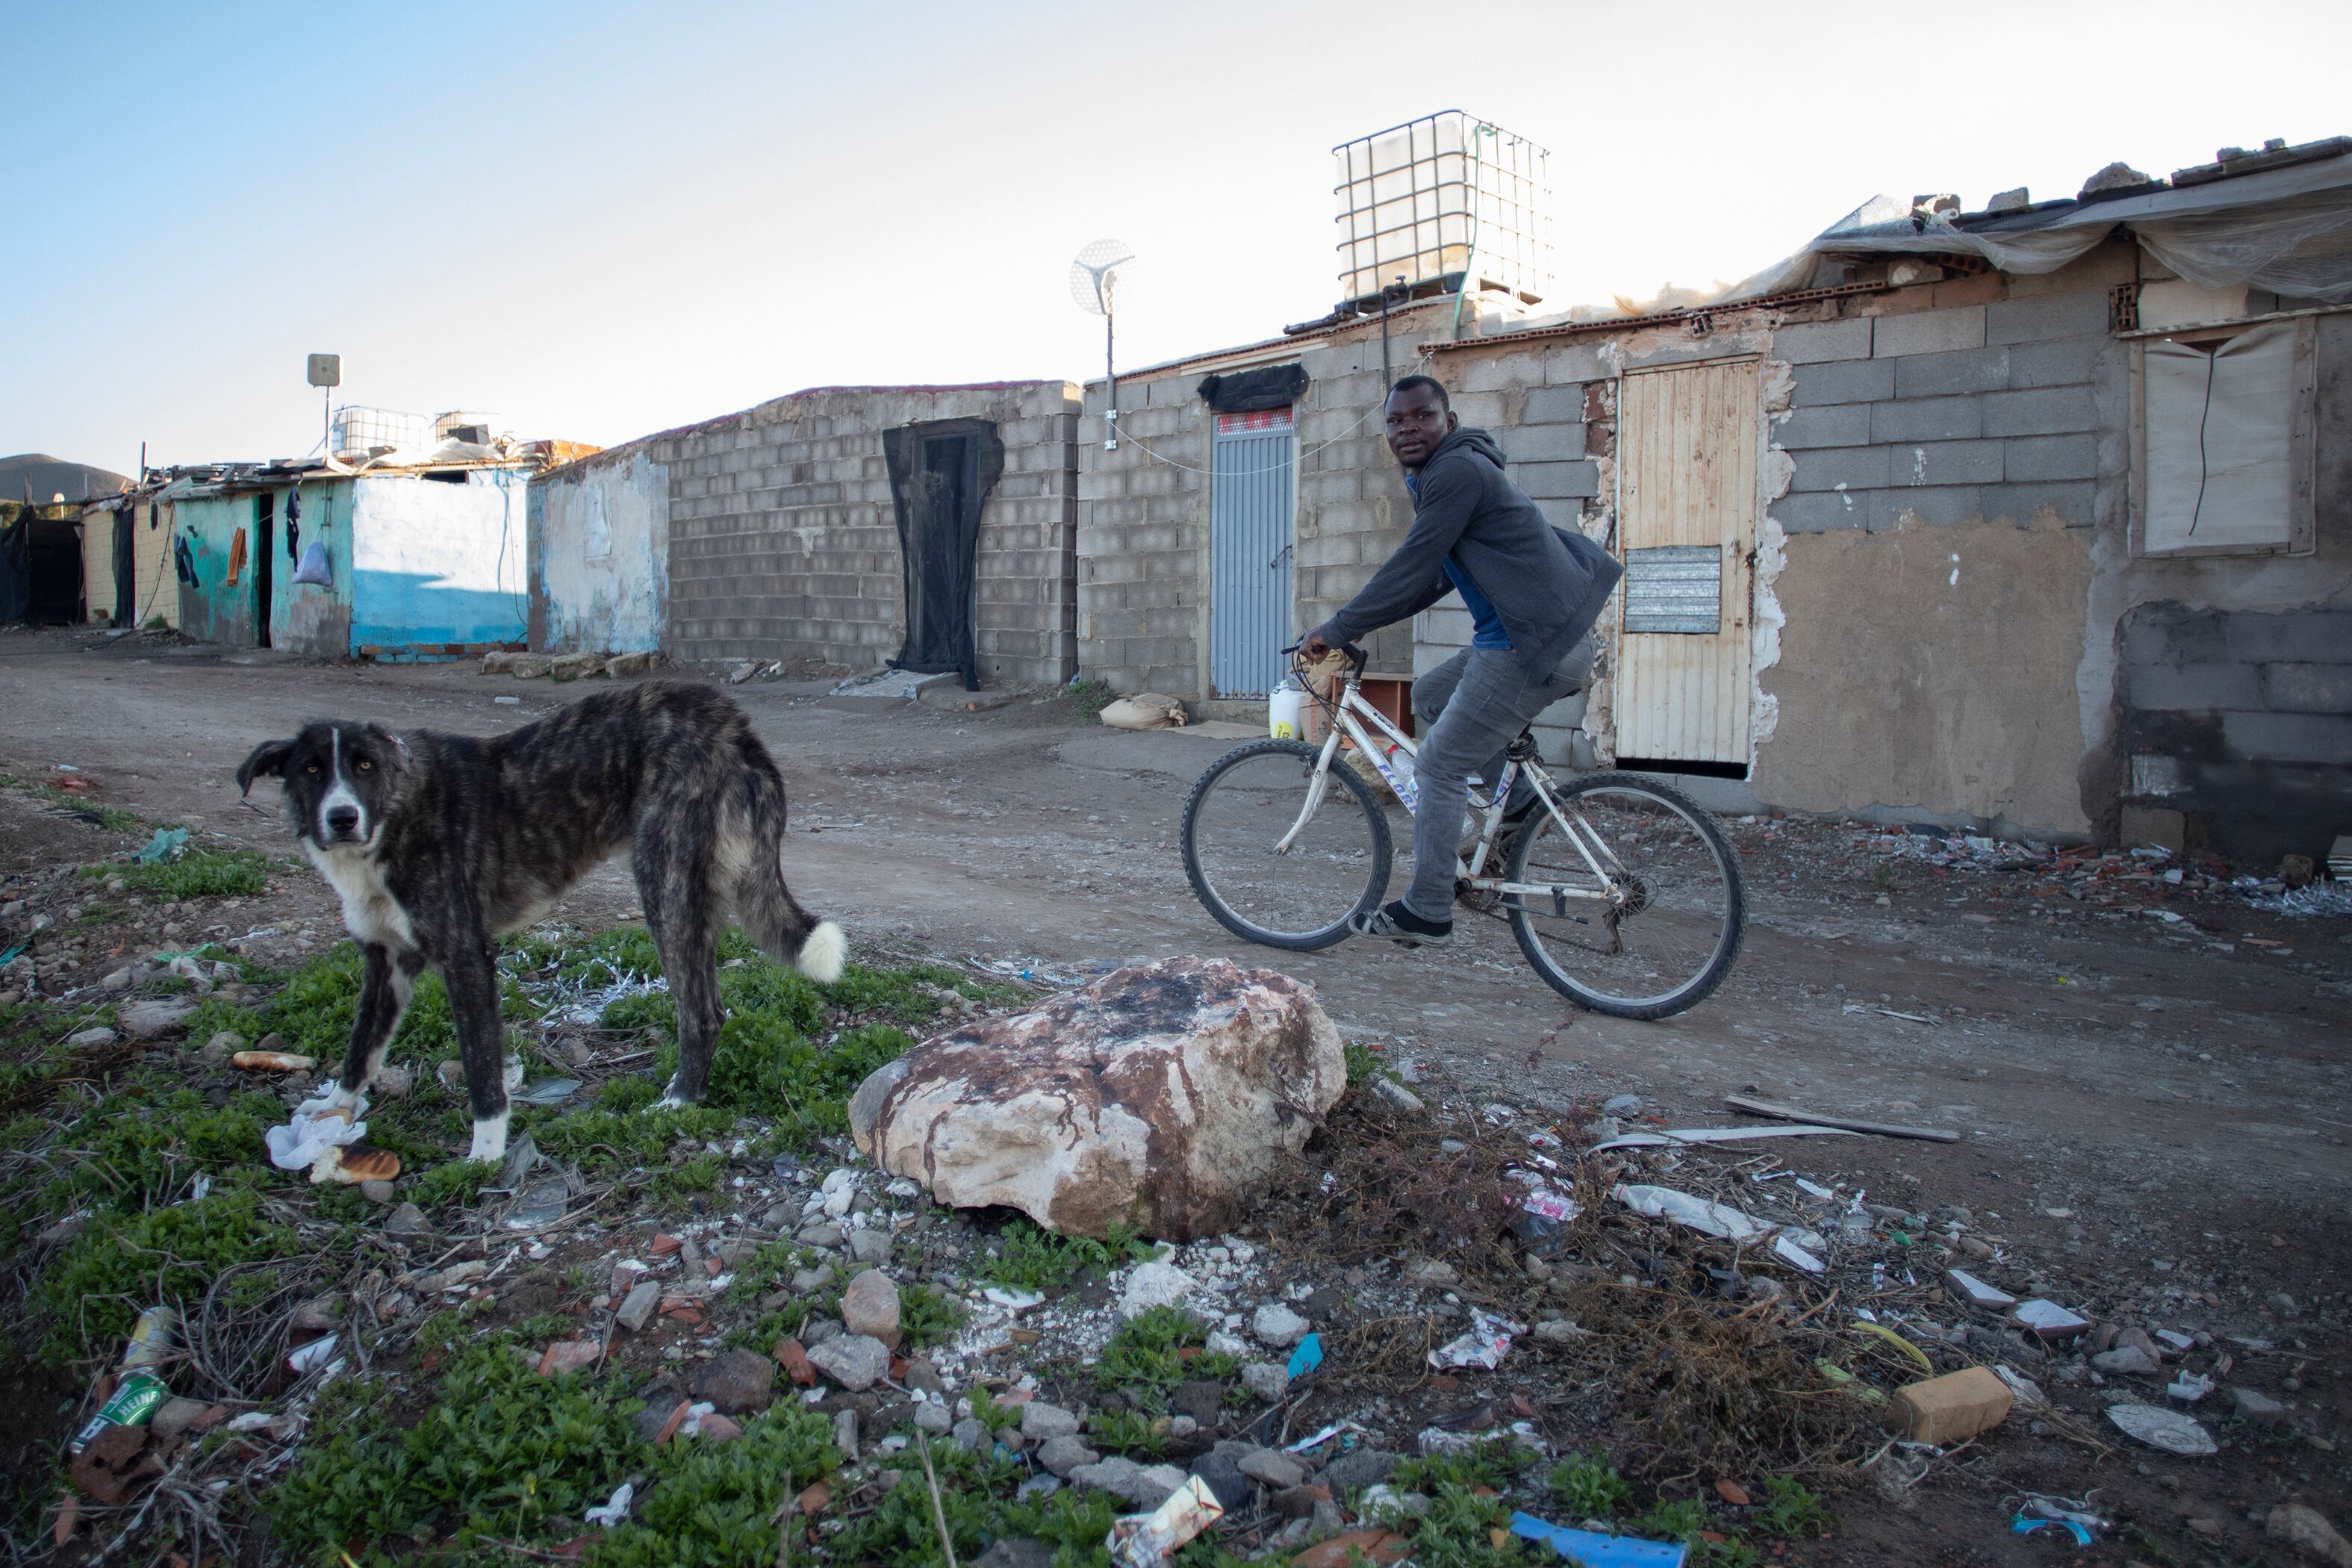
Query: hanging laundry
293, 524
314, 569
236, 558
184, 560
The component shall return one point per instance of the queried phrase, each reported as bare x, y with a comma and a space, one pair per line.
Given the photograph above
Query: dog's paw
490, 1137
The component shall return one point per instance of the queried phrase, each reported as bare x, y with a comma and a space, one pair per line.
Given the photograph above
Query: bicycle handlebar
1355, 656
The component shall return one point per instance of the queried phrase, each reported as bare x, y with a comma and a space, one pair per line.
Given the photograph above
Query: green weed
501, 1452
1792, 1511
1588, 1487
1129, 1431
712, 1504
1364, 1064
1028, 1257
976, 1495
1141, 1360
926, 1317
91, 1296
114, 819
1464, 1507
197, 874
1089, 698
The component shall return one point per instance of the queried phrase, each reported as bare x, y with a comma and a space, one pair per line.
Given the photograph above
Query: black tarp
941, 471
1254, 391
40, 566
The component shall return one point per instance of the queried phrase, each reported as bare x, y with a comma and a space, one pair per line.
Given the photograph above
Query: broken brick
1951, 1408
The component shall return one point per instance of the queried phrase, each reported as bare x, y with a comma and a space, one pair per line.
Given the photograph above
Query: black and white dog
439, 843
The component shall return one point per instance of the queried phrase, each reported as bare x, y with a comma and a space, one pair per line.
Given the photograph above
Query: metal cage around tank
1446, 197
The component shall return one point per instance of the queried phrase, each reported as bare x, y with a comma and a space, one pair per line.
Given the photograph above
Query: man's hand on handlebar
1313, 648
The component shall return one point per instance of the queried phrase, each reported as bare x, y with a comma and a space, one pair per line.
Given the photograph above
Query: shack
2032, 517
844, 528
408, 553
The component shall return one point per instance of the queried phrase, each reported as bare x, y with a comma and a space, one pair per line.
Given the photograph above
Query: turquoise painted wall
434, 562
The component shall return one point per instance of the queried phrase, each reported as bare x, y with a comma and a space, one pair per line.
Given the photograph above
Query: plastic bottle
1285, 708
141, 1392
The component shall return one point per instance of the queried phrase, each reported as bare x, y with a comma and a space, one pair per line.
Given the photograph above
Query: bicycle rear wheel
1299, 896
1667, 937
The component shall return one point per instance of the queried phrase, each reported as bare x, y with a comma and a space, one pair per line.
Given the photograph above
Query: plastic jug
1286, 707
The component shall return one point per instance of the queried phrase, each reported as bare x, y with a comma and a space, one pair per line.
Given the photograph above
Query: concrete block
1558, 482
2043, 458
2314, 634
1927, 419
2046, 411
1553, 406
1948, 463
1572, 363
1937, 504
2060, 361
1951, 1408
1827, 425
1541, 443
1843, 381
1942, 375
1821, 512
2076, 503
1842, 468
2154, 825
2323, 738
2192, 687
2046, 316
1494, 373
1927, 332
1815, 342
2308, 687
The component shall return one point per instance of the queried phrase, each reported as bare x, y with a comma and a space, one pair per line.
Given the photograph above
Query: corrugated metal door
1252, 500
1687, 441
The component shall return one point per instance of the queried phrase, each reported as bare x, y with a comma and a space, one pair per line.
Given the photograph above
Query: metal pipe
1110, 387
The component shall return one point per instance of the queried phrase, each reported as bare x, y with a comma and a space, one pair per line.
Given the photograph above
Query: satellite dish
1095, 272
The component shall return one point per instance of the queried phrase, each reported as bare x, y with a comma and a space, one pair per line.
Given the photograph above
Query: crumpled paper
318, 1127
1485, 1345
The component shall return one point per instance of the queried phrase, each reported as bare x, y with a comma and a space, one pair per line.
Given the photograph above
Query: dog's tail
764, 905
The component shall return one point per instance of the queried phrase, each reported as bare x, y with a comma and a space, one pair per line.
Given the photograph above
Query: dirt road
2180, 1101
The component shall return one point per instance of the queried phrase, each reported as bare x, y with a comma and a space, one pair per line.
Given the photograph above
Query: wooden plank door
1687, 438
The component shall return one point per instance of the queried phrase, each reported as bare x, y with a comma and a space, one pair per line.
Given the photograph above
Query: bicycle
1623, 892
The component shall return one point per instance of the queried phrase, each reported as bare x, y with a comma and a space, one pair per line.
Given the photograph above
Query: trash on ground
2166, 1429
1977, 1293
316, 1125
1668, 1136
553, 1091
141, 1392
1488, 1341
2048, 1320
607, 1515
1306, 1357
1951, 1408
2069, 1515
1847, 1123
1149, 1540
1144, 710
2188, 1387
1787, 1251
168, 843
1595, 1550
1698, 1214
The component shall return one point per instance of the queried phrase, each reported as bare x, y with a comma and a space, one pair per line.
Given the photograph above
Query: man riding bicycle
1533, 591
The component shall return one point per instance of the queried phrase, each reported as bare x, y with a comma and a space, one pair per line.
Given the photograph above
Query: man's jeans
1470, 709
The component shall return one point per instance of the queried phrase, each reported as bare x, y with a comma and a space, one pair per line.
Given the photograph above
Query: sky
595, 221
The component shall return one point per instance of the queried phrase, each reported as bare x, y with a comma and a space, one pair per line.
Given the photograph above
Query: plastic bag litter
1150, 1540
1595, 1550
1488, 1341
2072, 1515
167, 845
1787, 1251
1698, 1214
316, 1125
605, 1516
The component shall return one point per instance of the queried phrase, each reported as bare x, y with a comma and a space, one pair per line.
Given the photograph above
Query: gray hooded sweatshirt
1548, 584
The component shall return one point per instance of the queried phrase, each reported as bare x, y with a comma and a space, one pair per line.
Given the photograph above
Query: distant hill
37, 478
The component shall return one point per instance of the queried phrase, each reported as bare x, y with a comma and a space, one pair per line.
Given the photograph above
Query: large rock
158, 1016
870, 1306
1157, 1098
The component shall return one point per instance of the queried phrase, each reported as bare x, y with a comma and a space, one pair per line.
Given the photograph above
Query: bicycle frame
1348, 714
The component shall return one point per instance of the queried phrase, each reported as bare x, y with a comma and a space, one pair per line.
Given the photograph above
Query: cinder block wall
784, 543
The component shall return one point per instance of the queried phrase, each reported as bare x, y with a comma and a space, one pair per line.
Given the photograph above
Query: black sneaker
1401, 925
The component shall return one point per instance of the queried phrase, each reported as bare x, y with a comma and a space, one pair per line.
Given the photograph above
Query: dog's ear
267, 762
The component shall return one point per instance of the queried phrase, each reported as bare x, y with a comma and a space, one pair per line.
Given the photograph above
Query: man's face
1417, 422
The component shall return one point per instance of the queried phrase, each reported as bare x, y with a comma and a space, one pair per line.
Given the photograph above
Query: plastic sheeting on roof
2288, 230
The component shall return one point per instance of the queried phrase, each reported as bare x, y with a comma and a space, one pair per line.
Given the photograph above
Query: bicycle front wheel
1657, 930
1278, 858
